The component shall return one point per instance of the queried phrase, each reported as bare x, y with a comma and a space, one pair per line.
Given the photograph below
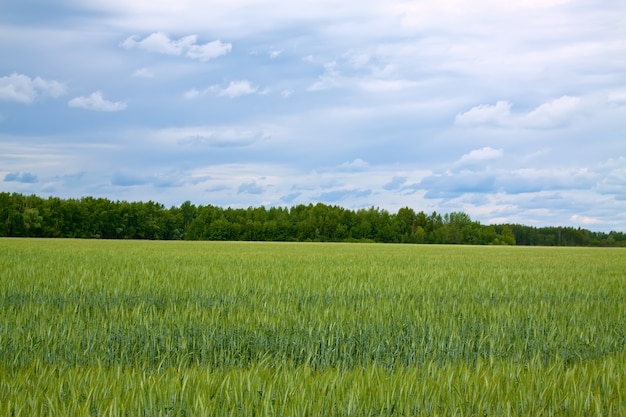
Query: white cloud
485, 114
191, 94
235, 89
356, 165
216, 137
330, 79
232, 90
95, 101
274, 53
160, 42
552, 114
617, 97
576, 218
143, 73
23, 89
385, 86
480, 155
209, 50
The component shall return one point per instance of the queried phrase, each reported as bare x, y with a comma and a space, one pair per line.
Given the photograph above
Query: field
138, 328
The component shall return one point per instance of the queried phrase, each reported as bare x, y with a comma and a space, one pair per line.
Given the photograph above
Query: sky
510, 111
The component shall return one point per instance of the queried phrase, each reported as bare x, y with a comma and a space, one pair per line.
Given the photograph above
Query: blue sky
511, 111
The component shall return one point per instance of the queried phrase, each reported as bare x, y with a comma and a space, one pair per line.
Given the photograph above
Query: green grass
115, 328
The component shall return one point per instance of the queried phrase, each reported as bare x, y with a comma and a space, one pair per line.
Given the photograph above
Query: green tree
407, 225
507, 236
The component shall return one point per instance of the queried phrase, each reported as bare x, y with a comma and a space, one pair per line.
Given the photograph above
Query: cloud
453, 185
143, 73
133, 179
161, 43
290, 197
207, 136
376, 85
23, 89
235, 89
344, 194
330, 79
126, 179
531, 180
274, 53
478, 156
209, 50
485, 114
96, 102
250, 188
232, 90
25, 177
552, 114
395, 183
576, 218
192, 94
223, 138
617, 97
457, 100
355, 165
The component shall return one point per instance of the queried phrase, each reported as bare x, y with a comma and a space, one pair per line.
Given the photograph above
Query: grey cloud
25, 177
395, 183
216, 188
455, 184
354, 166
527, 181
250, 188
290, 197
452, 186
339, 195
127, 179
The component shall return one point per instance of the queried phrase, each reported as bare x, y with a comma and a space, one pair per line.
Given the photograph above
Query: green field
138, 328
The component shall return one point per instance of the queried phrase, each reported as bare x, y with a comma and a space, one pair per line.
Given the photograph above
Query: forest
100, 218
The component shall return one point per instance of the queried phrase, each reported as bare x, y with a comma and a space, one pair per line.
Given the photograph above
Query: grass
115, 328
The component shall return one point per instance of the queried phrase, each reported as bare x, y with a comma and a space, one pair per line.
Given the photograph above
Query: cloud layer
510, 111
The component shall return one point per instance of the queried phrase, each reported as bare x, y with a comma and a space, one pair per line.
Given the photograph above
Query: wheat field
142, 328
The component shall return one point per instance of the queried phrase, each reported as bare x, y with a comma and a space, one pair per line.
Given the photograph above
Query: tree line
100, 218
